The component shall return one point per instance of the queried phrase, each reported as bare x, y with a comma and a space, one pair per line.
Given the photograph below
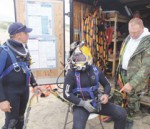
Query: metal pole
66, 119
15, 10
71, 21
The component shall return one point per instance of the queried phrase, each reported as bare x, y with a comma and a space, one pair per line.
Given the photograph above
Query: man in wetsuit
15, 76
81, 88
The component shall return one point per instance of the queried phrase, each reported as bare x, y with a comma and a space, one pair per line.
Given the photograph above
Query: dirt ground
50, 113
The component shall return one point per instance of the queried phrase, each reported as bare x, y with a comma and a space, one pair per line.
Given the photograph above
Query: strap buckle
16, 67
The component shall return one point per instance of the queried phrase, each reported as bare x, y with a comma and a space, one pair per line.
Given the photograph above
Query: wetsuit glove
87, 105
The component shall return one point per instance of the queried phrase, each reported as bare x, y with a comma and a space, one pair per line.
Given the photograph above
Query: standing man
81, 87
134, 64
15, 76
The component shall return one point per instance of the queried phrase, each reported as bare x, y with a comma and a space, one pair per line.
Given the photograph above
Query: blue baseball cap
18, 27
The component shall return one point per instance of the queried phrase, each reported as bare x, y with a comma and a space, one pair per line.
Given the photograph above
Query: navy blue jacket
14, 81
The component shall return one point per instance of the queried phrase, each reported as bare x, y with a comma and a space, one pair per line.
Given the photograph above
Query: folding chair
67, 114
92, 115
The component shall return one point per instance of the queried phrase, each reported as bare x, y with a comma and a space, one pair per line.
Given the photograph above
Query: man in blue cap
15, 76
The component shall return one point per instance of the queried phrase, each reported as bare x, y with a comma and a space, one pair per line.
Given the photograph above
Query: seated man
81, 88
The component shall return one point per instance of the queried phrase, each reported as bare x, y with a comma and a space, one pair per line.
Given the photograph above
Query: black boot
12, 124
20, 123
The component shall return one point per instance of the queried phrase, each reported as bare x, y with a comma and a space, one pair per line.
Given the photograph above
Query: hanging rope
94, 35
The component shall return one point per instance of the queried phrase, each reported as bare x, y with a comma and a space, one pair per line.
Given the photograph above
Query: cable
58, 79
101, 124
64, 70
35, 95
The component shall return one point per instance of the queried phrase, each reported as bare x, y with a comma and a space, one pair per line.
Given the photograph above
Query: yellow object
86, 51
81, 58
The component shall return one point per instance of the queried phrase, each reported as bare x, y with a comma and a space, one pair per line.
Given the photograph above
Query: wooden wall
48, 75
80, 11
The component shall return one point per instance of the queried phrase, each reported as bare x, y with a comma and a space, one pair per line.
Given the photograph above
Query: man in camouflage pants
134, 64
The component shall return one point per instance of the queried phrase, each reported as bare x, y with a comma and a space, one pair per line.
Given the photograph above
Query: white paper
33, 45
43, 53
39, 18
34, 22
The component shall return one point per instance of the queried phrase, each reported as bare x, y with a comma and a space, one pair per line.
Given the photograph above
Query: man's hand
5, 106
127, 88
37, 89
87, 105
104, 98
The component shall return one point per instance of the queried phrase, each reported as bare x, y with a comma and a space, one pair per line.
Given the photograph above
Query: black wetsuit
80, 114
14, 88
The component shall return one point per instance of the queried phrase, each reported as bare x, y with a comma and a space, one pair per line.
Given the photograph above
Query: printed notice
43, 53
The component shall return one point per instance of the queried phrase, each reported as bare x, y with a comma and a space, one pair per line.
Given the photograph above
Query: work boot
20, 122
12, 124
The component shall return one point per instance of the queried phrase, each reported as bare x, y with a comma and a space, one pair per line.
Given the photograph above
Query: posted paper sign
43, 53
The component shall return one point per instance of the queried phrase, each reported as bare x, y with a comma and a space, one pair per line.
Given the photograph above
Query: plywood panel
47, 76
20, 10
81, 10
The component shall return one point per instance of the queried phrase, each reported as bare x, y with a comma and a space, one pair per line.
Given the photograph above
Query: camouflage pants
131, 103
133, 106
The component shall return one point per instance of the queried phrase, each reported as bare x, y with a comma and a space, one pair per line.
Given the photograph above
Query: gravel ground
50, 113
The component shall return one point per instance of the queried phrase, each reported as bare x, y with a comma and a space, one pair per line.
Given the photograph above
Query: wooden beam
145, 100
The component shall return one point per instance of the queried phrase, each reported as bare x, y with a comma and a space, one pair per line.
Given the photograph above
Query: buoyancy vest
16, 66
89, 89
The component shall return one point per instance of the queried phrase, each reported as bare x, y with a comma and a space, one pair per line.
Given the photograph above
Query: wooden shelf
112, 15
118, 20
112, 59
145, 100
115, 17
118, 39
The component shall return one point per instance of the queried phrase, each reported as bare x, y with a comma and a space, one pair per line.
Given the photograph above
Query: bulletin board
42, 42
46, 43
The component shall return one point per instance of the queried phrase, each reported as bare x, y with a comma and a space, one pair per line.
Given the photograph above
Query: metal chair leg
66, 118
